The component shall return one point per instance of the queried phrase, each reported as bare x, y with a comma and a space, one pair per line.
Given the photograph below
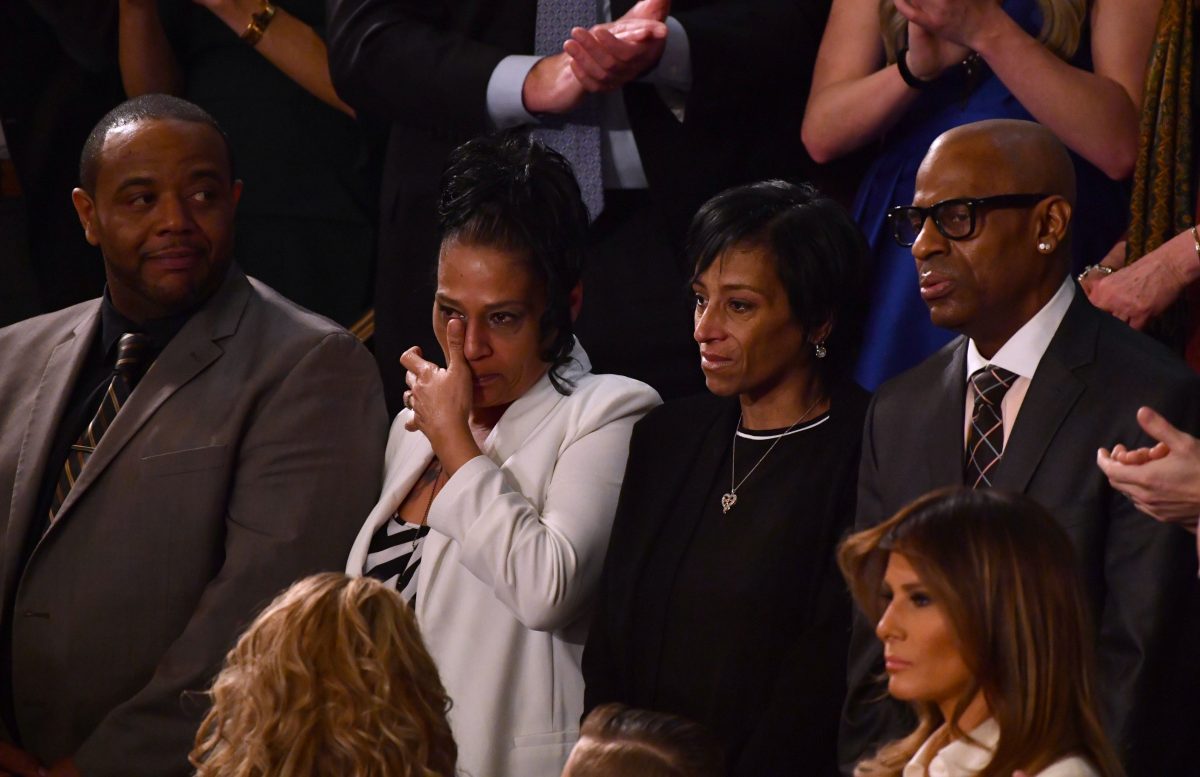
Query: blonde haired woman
332, 678
980, 607
901, 72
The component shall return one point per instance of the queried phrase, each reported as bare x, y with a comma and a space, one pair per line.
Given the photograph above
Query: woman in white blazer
979, 603
502, 475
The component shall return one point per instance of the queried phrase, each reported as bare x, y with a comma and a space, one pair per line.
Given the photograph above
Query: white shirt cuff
505, 107
674, 69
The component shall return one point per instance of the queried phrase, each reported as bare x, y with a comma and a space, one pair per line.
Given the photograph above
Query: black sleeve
406, 61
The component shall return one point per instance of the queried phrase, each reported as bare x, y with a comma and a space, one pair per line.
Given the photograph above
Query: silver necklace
730, 499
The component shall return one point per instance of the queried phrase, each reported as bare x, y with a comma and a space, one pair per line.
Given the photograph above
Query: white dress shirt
1020, 355
961, 758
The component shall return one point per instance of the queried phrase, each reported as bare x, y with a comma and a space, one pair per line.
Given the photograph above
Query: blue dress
898, 333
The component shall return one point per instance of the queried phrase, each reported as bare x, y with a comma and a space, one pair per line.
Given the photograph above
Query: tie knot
133, 355
991, 383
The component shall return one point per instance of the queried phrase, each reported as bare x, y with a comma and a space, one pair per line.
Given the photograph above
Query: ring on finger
1103, 269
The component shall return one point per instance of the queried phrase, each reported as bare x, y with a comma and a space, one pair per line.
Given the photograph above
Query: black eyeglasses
953, 218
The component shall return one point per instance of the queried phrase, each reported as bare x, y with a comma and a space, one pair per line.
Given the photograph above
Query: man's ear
575, 301
86, 208
1055, 222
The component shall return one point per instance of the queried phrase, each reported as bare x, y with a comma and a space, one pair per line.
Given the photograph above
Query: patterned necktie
985, 438
575, 135
133, 356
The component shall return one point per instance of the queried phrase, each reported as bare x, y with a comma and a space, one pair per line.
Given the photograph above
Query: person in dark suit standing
171, 456
683, 99
1037, 382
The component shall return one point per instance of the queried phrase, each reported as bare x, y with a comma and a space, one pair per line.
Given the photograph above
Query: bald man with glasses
1022, 400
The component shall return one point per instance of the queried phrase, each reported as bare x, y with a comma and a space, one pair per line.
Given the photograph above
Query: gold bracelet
1196, 242
259, 23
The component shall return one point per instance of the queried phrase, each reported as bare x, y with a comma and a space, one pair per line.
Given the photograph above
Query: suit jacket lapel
190, 352
1052, 393
46, 410
687, 488
946, 407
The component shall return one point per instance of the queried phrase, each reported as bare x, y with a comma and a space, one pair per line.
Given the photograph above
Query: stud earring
820, 350
1043, 246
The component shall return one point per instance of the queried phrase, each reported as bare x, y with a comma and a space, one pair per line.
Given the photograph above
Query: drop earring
820, 350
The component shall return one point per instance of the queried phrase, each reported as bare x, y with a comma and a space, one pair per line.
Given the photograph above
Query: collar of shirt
113, 324
1024, 350
960, 758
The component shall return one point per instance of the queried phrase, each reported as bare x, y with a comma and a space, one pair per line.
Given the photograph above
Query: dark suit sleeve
869, 717
404, 61
1149, 626
309, 469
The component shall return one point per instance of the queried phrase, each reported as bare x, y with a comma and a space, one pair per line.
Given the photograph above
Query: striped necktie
575, 135
133, 357
985, 438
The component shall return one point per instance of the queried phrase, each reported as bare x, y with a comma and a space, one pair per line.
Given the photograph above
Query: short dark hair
649, 744
820, 255
513, 193
145, 107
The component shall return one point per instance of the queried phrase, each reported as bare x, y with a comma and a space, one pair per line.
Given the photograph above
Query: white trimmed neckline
797, 430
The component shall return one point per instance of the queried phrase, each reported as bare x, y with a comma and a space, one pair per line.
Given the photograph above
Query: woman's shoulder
691, 412
612, 391
594, 401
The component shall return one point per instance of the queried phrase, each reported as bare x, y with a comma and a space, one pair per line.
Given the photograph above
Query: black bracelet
906, 74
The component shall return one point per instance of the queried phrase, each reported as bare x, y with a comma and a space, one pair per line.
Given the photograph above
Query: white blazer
509, 569
961, 758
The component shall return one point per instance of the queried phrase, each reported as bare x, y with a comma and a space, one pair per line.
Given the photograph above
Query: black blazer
423, 68
793, 701
1139, 574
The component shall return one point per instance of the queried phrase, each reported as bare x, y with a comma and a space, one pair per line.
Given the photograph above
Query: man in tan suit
171, 456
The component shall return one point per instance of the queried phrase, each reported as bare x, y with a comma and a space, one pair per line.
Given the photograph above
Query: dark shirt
95, 374
749, 591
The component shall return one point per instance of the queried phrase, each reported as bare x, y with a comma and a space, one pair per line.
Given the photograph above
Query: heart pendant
728, 501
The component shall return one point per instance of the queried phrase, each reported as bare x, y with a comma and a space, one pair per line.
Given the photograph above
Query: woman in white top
980, 608
501, 478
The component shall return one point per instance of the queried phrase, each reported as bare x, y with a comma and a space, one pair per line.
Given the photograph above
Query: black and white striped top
395, 554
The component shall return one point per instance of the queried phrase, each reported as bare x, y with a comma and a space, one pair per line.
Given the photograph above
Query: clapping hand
1162, 481
958, 21
928, 55
610, 55
440, 399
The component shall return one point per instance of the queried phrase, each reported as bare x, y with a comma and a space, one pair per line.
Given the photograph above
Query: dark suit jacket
244, 459
784, 704
424, 67
1139, 574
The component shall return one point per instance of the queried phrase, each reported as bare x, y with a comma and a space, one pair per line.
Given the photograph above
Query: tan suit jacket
244, 459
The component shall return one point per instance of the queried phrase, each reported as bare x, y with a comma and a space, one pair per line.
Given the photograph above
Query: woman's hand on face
440, 399
928, 55
957, 21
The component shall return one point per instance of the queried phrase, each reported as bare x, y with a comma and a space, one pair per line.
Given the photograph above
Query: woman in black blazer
720, 599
